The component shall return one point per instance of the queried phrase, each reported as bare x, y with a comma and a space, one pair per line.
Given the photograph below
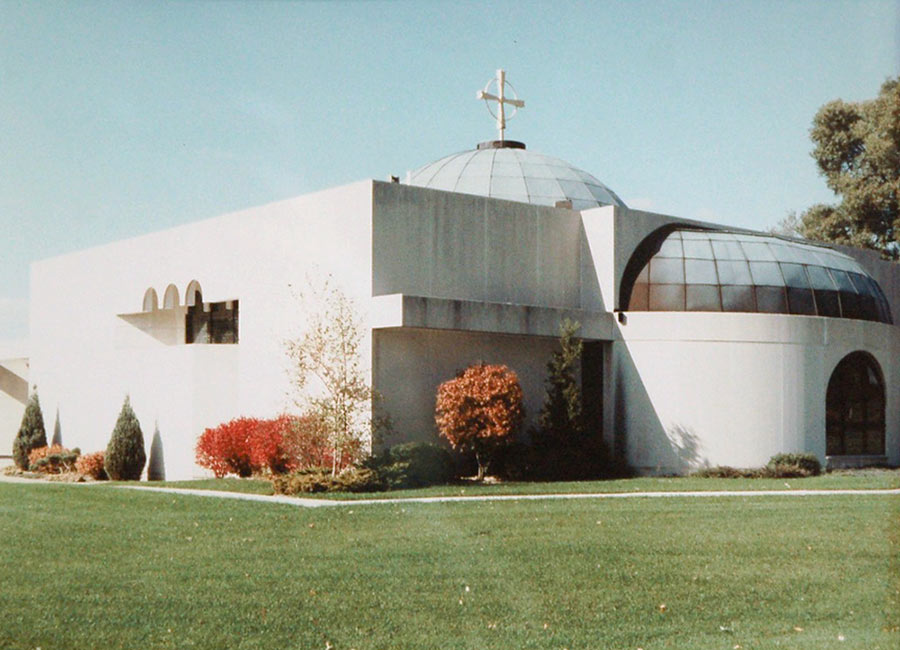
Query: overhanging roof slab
399, 310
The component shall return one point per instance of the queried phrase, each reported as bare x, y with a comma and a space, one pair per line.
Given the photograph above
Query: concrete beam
398, 310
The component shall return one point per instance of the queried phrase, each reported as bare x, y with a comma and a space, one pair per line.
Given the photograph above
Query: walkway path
319, 503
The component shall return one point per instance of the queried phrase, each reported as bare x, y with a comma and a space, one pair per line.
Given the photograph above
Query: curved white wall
701, 389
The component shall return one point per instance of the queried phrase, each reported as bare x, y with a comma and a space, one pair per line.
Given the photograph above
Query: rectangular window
215, 323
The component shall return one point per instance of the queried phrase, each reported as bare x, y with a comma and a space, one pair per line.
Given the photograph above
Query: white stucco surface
734, 389
441, 280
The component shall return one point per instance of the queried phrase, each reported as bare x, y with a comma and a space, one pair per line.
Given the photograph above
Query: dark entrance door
854, 408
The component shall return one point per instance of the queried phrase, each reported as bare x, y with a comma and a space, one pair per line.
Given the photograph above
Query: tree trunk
482, 466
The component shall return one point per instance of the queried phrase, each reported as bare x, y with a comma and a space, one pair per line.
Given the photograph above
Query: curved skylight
708, 270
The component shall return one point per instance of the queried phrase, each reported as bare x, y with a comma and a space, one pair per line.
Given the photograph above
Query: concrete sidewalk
305, 502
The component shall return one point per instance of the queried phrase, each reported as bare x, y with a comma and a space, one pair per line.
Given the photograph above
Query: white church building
704, 344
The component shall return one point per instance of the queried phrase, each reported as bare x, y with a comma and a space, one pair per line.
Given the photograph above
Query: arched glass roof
710, 270
508, 171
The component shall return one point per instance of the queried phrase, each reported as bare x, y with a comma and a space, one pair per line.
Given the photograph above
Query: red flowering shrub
54, 459
92, 465
247, 446
225, 449
481, 409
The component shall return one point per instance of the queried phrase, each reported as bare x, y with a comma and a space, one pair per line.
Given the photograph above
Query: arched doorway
854, 408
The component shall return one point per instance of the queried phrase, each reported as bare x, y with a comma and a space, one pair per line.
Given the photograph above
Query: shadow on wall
686, 446
156, 467
640, 436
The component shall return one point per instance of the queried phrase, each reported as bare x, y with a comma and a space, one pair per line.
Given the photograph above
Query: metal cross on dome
501, 99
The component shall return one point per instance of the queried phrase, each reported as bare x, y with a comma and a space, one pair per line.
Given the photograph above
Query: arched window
193, 295
151, 302
170, 297
854, 408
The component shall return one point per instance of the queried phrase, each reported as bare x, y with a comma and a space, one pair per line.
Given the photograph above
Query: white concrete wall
85, 358
412, 363
700, 389
445, 245
13, 398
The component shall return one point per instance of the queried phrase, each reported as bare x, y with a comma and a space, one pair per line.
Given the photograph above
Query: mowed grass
86, 567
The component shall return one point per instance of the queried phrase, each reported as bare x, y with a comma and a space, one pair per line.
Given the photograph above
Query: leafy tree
31, 433
481, 409
857, 150
125, 455
328, 355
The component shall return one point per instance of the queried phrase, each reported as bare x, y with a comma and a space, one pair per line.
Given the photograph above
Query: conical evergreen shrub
156, 467
57, 432
31, 433
125, 455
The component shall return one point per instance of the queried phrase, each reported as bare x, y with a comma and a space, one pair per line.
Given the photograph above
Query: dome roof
506, 170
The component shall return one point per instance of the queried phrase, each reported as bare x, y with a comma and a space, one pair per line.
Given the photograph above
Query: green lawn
857, 480
94, 567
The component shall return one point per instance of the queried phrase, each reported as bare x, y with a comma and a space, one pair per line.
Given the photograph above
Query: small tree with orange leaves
481, 409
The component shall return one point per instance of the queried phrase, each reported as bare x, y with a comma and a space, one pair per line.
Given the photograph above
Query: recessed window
212, 322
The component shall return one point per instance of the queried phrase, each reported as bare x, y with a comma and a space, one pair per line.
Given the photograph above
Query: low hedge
779, 466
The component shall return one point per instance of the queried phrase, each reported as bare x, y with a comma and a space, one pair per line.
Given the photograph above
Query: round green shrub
125, 455
794, 465
31, 433
427, 463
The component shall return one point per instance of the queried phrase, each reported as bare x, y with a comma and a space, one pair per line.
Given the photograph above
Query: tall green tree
857, 150
560, 417
31, 433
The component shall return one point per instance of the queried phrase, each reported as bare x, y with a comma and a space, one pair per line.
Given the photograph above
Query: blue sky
120, 118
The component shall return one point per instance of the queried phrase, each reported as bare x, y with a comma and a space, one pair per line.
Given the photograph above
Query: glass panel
644, 275
842, 279
827, 303
738, 298
859, 281
700, 272
536, 170
868, 309
771, 300
698, 249
728, 250
757, 251
511, 186
785, 253
801, 301
667, 297
575, 190
819, 278
703, 297
671, 247
666, 270
639, 296
733, 272
854, 444
849, 305
874, 441
695, 234
795, 276
766, 273
542, 187
506, 169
